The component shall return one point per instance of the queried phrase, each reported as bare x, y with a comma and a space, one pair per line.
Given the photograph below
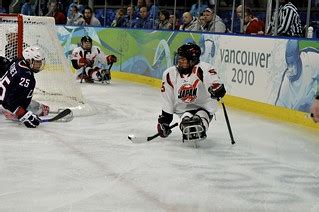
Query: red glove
111, 59
82, 62
45, 110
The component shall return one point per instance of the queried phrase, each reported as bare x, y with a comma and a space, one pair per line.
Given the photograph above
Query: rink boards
275, 77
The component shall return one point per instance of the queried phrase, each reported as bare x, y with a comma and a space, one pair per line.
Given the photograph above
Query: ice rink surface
89, 164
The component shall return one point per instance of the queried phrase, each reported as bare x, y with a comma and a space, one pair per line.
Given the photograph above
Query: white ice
89, 164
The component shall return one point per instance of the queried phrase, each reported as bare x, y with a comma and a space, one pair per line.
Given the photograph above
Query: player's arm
103, 58
4, 65
215, 87
77, 60
167, 94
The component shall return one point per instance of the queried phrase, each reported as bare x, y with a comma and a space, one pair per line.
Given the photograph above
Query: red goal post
56, 84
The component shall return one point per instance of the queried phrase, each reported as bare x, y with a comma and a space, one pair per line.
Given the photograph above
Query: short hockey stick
109, 70
58, 116
83, 68
82, 75
149, 138
228, 123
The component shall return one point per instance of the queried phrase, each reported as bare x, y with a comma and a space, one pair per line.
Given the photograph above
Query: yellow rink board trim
266, 110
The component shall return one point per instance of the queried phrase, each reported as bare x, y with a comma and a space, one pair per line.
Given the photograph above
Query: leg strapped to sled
193, 129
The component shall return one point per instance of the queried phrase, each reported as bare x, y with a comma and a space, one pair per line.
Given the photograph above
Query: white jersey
95, 55
189, 92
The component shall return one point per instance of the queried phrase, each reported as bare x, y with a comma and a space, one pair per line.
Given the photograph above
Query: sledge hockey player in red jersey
18, 84
191, 90
86, 60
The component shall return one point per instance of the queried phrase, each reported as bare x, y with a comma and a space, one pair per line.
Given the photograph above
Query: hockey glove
217, 91
83, 62
45, 110
111, 59
163, 127
30, 120
37, 108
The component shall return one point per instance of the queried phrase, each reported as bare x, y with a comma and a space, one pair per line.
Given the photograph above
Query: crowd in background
150, 14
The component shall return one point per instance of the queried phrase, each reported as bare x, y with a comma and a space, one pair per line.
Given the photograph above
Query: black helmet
86, 38
190, 51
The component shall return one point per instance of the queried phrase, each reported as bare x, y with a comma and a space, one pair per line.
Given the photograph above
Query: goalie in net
18, 83
86, 60
191, 90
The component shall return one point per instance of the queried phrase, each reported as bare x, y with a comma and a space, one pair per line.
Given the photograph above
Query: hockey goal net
56, 85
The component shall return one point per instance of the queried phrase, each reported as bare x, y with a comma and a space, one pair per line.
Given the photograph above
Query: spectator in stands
289, 23
252, 25
139, 5
198, 8
213, 23
190, 23
27, 8
76, 17
119, 20
201, 20
145, 21
55, 12
89, 17
130, 17
152, 8
174, 19
2, 9
164, 20
314, 109
76, 3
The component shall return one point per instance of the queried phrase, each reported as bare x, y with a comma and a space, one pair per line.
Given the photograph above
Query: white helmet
35, 58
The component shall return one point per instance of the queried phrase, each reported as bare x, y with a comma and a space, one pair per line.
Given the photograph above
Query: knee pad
205, 117
185, 119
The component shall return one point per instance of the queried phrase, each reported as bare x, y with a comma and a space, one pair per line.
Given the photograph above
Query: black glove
217, 91
30, 120
163, 127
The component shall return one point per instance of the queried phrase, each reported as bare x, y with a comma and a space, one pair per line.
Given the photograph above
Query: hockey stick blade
146, 139
59, 116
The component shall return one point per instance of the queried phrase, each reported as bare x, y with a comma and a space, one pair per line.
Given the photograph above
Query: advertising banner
276, 71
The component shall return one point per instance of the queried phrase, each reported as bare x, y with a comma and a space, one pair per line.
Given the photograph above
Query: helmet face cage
190, 51
35, 58
85, 39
